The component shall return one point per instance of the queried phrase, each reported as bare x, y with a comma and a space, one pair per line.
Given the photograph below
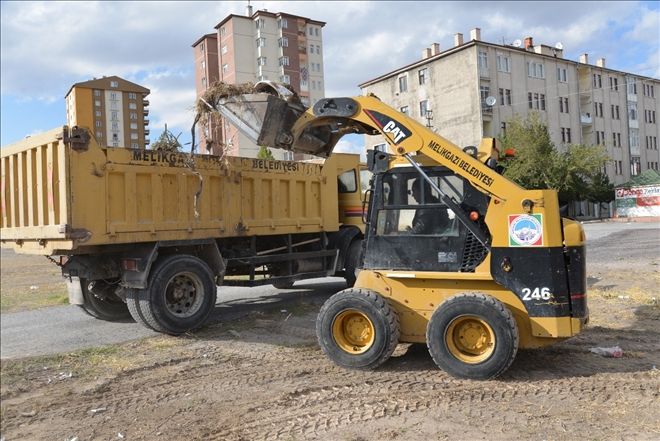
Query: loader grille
473, 254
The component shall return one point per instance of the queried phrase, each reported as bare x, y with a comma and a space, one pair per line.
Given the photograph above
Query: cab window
347, 182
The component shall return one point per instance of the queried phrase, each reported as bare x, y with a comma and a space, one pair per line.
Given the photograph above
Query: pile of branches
167, 142
205, 108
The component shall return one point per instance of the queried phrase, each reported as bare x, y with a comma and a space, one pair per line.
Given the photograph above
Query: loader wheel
352, 262
100, 301
357, 329
180, 297
472, 336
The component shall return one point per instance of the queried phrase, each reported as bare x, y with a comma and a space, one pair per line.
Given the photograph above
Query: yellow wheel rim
470, 339
353, 331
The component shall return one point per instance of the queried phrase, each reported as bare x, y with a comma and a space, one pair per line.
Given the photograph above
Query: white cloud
47, 46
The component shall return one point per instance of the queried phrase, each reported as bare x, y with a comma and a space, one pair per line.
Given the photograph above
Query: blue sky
45, 47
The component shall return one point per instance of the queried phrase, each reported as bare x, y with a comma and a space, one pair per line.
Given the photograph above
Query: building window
98, 123
261, 61
97, 103
565, 135
286, 80
614, 84
422, 76
600, 137
114, 84
598, 109
597, 81
223, 31
225, 68
484, 92
632, 112
403, 83
404, 110
563, 105
310, 30
529, 100
505, 97
132, 106
132, 96
204, 81
483, 60
134, 135
99, 134
223, 49
97, 93
423, 108
135, 145
615, 112
635, 166
114, 115
282, 23
97, 113
201, 47
316, 32
503, 63
283, 42
261, 42
562, 76
203, 64
284, 61
133, 115
260, 23
133, 126
535, 70
115, 125
318, 49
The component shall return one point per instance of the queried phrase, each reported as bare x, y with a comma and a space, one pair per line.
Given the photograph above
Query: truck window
365, 177
347, 182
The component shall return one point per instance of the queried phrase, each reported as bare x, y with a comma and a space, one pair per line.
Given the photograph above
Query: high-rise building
113, 109
259, 46
475, 88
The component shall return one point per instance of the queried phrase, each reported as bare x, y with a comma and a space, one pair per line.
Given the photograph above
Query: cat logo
396, 131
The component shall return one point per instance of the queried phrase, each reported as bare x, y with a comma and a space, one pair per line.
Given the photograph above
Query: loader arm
331, 118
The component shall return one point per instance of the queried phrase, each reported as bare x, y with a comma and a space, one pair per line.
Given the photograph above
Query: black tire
472, 336
283, 284
340, 315
103, 304
180, 297
133, 303
352, 262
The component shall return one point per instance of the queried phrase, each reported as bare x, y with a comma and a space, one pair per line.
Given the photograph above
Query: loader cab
411, 229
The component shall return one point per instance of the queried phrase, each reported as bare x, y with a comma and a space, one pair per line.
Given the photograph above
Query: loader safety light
130, 264
474, 215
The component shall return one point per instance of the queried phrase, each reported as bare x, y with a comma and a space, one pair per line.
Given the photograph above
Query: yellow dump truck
153, 233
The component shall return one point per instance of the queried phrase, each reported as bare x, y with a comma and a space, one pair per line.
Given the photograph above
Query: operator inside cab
427, 220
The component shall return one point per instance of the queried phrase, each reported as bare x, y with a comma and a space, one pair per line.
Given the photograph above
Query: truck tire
133, 303
357, 329
472, 336
180, 297
283, 284
352, 262
104, 304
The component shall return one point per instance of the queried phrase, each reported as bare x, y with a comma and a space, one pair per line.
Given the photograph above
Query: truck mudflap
74, 287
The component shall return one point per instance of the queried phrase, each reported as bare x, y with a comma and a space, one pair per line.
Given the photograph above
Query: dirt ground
262, 376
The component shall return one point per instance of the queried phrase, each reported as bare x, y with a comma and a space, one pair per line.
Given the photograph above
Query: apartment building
115, 110
258, 46
473, 89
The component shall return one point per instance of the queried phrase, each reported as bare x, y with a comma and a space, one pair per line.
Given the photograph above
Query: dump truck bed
63, 194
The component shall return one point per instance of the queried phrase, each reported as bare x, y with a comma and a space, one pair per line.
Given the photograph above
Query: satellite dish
517, 43
559, 45
490, 101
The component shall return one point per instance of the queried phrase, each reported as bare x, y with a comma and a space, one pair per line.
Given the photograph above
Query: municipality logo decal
526, 230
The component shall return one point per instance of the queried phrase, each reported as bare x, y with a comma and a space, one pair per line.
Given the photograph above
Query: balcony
145, 112
146, 122
586, 119
146, 132
145, 103
146, 141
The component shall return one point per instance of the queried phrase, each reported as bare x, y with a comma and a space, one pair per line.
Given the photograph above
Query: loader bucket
264, 118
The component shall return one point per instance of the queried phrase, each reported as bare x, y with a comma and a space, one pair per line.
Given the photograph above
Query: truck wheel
101, 302
357, 329
180, 297
352, 262
283, 284
472, 336
133, 303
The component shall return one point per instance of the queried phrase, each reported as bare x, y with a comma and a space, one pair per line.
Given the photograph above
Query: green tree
265, 153
539, 164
